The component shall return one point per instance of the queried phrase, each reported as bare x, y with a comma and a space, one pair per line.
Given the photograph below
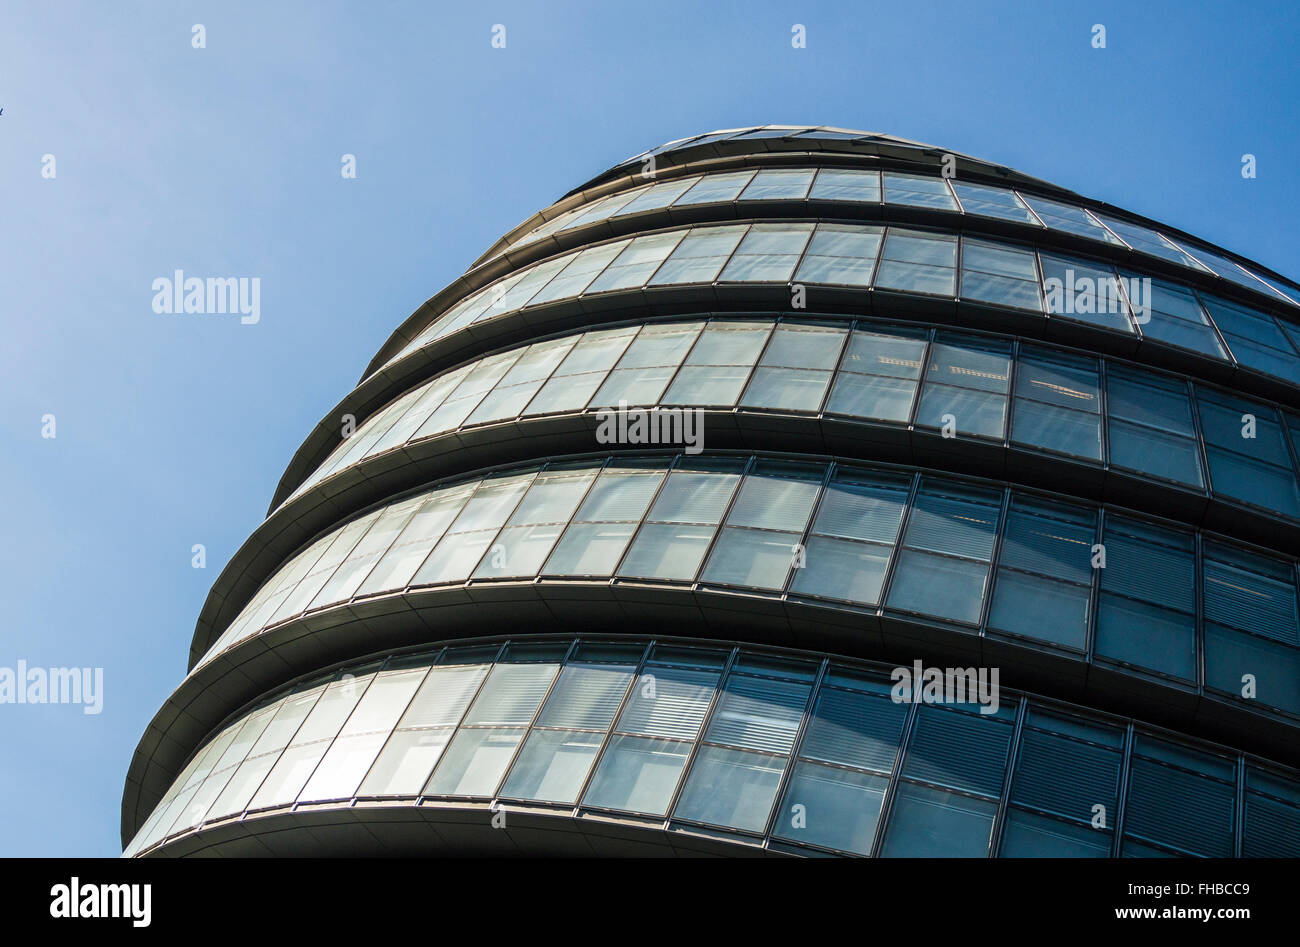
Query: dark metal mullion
1094, 589
1121, 791
896, 553
528, 728
1198, 614
1128, 303
714, 700
952, 191
958, 274
1039, 275
1013, 372
895, 776
1239, 808
1103, 414
880, 252
637, 670
792, 755
1202, 445
812, 235
995, 554
922, 375
1013, 760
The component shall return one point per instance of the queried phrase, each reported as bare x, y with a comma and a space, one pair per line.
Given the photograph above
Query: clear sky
173, 430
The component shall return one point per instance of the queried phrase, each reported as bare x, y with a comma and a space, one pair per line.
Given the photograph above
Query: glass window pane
660, 345
992, 202
843, 570
913, 261
667, 551
1028, 835
917, 191
405, 763
1071, 219
841, 254
636, 263
694, 495
768, 253
731, 788
474, 763
752, 558
716, 187
1084, 291
777, 496
1174, 316
552, 766
1145, 616
655, 196
778, 184
512, 694
668, 702
699, 257
586, 696
590, 549
845, 184
839, 808
1181, 799
795, 346
934, 823
637, 775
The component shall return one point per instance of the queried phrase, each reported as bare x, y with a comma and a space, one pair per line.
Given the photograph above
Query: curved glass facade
998, 562
975, 416
868, 186
776, 748
1093, 411
901, 260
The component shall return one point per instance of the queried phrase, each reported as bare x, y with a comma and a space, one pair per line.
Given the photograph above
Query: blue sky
173, 430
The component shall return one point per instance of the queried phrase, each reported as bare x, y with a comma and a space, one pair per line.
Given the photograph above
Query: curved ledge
411, 828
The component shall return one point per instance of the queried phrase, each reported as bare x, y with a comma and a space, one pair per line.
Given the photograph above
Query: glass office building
640, 516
